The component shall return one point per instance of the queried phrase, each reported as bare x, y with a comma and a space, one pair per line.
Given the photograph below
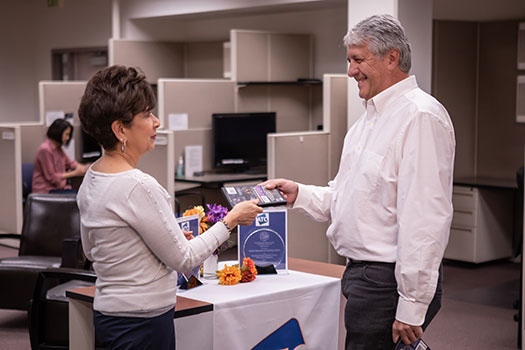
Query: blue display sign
265, 241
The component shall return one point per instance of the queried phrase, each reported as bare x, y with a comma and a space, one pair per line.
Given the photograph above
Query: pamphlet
265, 240
266, 197
189, 223
417, 345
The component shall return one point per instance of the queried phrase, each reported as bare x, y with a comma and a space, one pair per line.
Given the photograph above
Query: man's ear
118, 130
392, 57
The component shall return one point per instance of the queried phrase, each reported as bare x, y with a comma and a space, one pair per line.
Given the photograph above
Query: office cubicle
11, 179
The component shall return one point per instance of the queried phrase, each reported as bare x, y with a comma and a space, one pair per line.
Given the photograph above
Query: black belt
364, 262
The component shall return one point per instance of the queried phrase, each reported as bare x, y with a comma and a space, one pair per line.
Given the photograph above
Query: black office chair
50, 237
27, 180
48, 310
199, 195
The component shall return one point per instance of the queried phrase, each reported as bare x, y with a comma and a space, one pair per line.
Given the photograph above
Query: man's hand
408, 333
288, 188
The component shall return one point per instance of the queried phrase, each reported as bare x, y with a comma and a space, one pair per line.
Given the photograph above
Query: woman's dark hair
114, 93
57, 128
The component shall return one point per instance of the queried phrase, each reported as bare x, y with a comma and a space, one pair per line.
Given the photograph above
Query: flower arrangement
215, 213
231, 275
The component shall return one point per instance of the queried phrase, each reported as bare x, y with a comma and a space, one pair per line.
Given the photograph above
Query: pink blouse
50, 163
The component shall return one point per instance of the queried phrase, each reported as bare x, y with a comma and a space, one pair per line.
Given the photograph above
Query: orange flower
229, 275
248, 270
198, 210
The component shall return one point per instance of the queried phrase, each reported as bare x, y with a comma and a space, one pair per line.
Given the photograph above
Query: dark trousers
119, 333
371, 292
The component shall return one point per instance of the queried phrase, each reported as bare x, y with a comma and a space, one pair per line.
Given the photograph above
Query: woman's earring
123, 146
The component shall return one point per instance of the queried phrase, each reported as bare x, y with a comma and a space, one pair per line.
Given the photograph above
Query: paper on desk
193, 160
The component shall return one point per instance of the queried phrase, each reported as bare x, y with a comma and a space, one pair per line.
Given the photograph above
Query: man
390, 203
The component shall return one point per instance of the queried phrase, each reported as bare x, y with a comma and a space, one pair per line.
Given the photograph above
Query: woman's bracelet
226, 225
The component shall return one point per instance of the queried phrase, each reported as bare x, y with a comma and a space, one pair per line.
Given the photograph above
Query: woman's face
142, 133
66, 135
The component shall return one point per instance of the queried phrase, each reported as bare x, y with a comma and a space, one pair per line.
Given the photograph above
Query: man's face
369, 70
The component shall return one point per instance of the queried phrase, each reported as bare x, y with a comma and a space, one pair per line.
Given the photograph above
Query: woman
128, 228
52, 166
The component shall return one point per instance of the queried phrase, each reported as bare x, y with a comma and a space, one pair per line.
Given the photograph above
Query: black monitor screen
240, 139
91, 150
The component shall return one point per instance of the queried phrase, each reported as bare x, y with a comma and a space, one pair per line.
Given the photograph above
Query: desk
245, 309
219, 179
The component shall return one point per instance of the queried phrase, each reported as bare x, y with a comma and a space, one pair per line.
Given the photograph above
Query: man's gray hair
382, 33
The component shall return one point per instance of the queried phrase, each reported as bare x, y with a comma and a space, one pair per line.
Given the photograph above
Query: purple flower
216, 212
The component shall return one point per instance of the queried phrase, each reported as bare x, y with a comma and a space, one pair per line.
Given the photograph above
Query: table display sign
188, 223
265, 240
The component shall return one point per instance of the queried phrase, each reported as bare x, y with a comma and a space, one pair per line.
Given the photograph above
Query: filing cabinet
482, 224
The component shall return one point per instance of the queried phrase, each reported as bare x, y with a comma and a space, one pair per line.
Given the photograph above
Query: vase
210, 266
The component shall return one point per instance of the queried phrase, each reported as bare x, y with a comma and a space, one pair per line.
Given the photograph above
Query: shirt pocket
368, 172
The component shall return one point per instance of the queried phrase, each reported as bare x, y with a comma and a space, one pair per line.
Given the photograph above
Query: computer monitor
91, 150
239, 140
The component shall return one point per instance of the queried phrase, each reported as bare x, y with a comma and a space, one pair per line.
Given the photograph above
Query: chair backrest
48, 220
27, 178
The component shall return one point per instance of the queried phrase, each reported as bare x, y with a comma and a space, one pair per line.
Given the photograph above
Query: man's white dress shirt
391, 200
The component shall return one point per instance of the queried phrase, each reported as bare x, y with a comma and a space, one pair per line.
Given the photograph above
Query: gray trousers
371, 292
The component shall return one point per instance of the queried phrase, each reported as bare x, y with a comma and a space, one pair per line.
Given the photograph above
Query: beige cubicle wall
63, 96
268, 56
198, 98
162, 59
302, 157
156, 59
31, 136
335, 116
11, 179
159, 162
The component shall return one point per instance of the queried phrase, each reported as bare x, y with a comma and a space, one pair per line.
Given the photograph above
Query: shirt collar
387, 96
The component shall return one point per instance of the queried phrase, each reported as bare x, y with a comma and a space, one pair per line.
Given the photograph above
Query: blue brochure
189, 223
265, 241
417, 345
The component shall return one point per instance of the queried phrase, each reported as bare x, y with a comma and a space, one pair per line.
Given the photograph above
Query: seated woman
128, 227
52, 166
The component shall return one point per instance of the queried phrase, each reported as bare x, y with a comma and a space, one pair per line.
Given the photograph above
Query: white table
296, 304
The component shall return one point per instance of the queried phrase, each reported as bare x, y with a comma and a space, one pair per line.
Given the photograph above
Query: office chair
185, 194
27, 180
48, 311
50, 237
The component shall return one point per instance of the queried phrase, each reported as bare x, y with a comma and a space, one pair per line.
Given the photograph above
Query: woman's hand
243, 213
288, 188
188, 235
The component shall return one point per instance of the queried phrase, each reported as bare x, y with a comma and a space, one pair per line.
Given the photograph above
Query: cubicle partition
11, 179
335, 116
302, 157
159, 162
194, 100
31, 136
62, 97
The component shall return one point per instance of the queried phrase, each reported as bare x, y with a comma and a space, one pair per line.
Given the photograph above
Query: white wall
29, 31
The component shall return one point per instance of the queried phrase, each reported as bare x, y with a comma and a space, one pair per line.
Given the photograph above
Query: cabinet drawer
464, 218
464, 198
461, 244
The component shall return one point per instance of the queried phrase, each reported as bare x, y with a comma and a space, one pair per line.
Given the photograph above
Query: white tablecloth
251, 314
